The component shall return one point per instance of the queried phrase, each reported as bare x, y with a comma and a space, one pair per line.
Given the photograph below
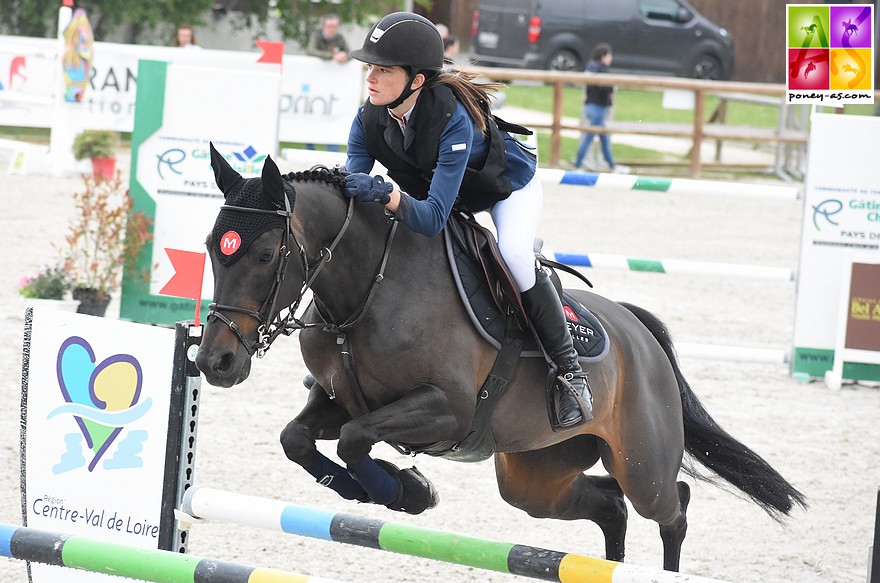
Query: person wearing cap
433, 131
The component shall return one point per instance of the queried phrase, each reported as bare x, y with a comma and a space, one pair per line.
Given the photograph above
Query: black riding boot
545, 311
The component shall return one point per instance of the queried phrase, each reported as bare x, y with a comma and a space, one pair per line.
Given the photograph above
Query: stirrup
584, 402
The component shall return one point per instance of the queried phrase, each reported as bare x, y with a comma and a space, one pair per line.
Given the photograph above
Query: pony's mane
319, 173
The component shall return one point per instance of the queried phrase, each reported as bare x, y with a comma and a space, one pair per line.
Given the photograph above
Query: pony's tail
716, 449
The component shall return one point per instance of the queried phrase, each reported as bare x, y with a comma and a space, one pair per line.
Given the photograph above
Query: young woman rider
433, 131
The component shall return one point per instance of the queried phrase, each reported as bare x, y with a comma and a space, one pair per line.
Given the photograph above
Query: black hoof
417, 493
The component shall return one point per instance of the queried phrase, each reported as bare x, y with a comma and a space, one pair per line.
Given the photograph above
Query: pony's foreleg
423, 415
321, 418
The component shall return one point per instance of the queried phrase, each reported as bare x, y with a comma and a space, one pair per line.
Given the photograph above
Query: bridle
268, 329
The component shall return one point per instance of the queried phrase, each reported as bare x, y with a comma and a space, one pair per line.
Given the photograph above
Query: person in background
327, 42
599, 99
185, 38
451, 48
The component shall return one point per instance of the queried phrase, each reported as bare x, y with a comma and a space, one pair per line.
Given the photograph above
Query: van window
669, 10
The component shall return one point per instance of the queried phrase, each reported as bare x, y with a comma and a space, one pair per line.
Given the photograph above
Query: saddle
492, 301
490, 296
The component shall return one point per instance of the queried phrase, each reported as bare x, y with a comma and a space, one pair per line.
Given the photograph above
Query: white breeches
516, 223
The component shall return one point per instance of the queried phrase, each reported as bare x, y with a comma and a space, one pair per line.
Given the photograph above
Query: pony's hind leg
673, 534
550, 483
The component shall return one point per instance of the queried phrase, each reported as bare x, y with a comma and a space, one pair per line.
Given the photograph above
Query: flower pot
63, 305
91, 301
103, 168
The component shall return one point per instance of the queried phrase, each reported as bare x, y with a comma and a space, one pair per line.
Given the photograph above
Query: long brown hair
474, 96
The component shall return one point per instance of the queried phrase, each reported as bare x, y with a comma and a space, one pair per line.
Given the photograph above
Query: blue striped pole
143, 564
672, 266
525, 561
670, 185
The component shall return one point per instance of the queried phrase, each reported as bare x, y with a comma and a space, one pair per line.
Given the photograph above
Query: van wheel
706, 67
564, 60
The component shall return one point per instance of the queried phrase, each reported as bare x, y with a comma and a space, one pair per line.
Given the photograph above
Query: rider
433, 131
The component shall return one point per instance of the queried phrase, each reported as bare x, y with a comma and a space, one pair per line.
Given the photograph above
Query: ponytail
474, 96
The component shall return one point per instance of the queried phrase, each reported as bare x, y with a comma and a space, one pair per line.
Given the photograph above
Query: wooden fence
698, 131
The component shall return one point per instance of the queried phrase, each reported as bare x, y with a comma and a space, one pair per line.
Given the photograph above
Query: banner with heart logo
96, 403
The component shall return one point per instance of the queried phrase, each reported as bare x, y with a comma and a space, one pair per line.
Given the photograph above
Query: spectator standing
327, 42
451, 47
185, 38
599, 99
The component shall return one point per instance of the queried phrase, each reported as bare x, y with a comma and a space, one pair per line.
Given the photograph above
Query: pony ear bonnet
273, 184
235, 230
224, 175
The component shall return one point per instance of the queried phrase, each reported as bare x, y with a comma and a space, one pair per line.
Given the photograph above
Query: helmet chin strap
407, 91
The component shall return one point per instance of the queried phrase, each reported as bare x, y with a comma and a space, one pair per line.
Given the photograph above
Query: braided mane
319, 173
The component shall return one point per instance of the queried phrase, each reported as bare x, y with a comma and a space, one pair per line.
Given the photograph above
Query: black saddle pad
490, 322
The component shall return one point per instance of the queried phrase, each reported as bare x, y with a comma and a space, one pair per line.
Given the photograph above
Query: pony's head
249, 248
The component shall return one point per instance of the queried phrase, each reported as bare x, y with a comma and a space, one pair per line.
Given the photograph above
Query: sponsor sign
317, 101
96, 398
178, 115
841, 220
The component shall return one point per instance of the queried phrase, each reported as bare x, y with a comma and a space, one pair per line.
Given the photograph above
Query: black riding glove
365, 188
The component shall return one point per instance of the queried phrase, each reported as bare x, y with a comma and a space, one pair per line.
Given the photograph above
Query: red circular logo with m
230, 242
569, 313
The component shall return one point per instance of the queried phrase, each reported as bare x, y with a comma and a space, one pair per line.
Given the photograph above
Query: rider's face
385, 84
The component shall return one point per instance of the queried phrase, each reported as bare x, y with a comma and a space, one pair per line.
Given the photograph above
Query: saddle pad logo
230, 242
102, 397
569, 313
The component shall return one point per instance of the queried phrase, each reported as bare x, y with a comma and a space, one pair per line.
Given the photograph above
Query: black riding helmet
403, 39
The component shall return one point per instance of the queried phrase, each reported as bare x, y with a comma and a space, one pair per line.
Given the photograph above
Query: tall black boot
545, 311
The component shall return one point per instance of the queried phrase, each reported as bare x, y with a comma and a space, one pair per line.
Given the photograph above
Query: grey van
667, 37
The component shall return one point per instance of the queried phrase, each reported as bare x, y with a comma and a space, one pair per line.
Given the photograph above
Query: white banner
841, 219
172, 179
318, 98
97, 409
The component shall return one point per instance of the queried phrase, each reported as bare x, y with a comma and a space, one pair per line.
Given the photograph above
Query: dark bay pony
397, 360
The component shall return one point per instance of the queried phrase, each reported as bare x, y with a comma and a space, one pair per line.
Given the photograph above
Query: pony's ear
273, 184
224, 175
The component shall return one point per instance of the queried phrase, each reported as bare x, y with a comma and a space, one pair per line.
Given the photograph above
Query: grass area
568, 150
39, 135
632, 105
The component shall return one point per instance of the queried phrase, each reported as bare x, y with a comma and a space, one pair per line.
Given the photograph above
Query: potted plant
100, 147
104, 238
49, 287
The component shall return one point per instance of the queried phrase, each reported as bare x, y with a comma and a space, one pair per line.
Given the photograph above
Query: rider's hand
366, 188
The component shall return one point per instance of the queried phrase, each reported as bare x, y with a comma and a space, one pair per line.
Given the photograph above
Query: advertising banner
181, 109
317, 102
841, 220
96, 398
